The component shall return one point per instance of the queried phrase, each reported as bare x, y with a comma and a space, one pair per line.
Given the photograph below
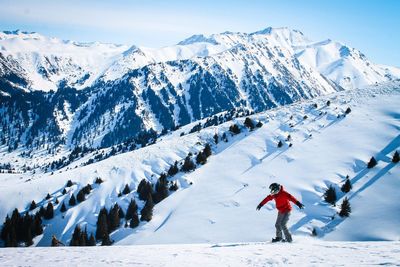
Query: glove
259, 207
301, 206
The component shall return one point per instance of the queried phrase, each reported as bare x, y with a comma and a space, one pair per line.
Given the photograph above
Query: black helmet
275, 188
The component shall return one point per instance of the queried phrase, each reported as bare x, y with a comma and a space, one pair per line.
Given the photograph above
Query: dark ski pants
281, 225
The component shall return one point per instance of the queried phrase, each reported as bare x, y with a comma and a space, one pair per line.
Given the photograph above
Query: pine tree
249, 123
63, 207
64, 191
201, 158
346, 187
345, 208
37, 228
134, 221
173, 169
280, 144
372, 163
234, 129
330, 195
48, 196
114, 218
80, 197
98, 180
72, 200
216, 138
75, 236
56, 201
102, 224
147, 211
49, 211
348, 110
259, 124
92, 240
188, 165
144, 189
396, 157
106, 241
207, 150
161, 191
328, 103
69, 183
126, 190
33, 205
132, 209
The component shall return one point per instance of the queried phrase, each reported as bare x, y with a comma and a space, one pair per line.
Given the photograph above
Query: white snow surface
216, 203
304, 253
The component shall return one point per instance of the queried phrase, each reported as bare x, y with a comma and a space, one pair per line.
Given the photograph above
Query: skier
283, 206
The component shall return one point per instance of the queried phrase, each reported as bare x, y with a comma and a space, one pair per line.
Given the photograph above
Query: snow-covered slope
48, 61
216, 202
305, 253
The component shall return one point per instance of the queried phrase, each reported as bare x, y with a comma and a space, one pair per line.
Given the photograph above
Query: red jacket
281, 200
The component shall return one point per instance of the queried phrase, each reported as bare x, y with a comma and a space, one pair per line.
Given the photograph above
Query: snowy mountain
331, 137
63, 94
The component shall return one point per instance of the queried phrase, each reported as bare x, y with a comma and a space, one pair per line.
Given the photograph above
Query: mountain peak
198, 38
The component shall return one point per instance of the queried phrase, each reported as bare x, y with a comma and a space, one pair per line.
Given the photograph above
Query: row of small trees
330, 193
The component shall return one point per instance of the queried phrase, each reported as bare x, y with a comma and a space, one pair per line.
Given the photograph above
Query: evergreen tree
80, 196
114, 218
372, 163
328, 103
280, 144
346, 187
63, 207
72, 200
234, 129
33, 205
207, 150
249, 123
56, 201
147, 211
98, 180
37, 228
188, 165
348, 110
83, 238
48, 196
173, 169
345, 208
201, 158
330, 195
216, 138
259, 124
126, 190
49, 211
144, 189
132, 209
102, 224
396, 157
106, 241
161, 191
64, 191
75, 236
92, 240
134, 221
69, 183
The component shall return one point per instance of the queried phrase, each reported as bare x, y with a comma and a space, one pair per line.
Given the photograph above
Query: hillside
216, 202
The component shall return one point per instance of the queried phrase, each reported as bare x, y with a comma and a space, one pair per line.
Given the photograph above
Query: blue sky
370, 26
